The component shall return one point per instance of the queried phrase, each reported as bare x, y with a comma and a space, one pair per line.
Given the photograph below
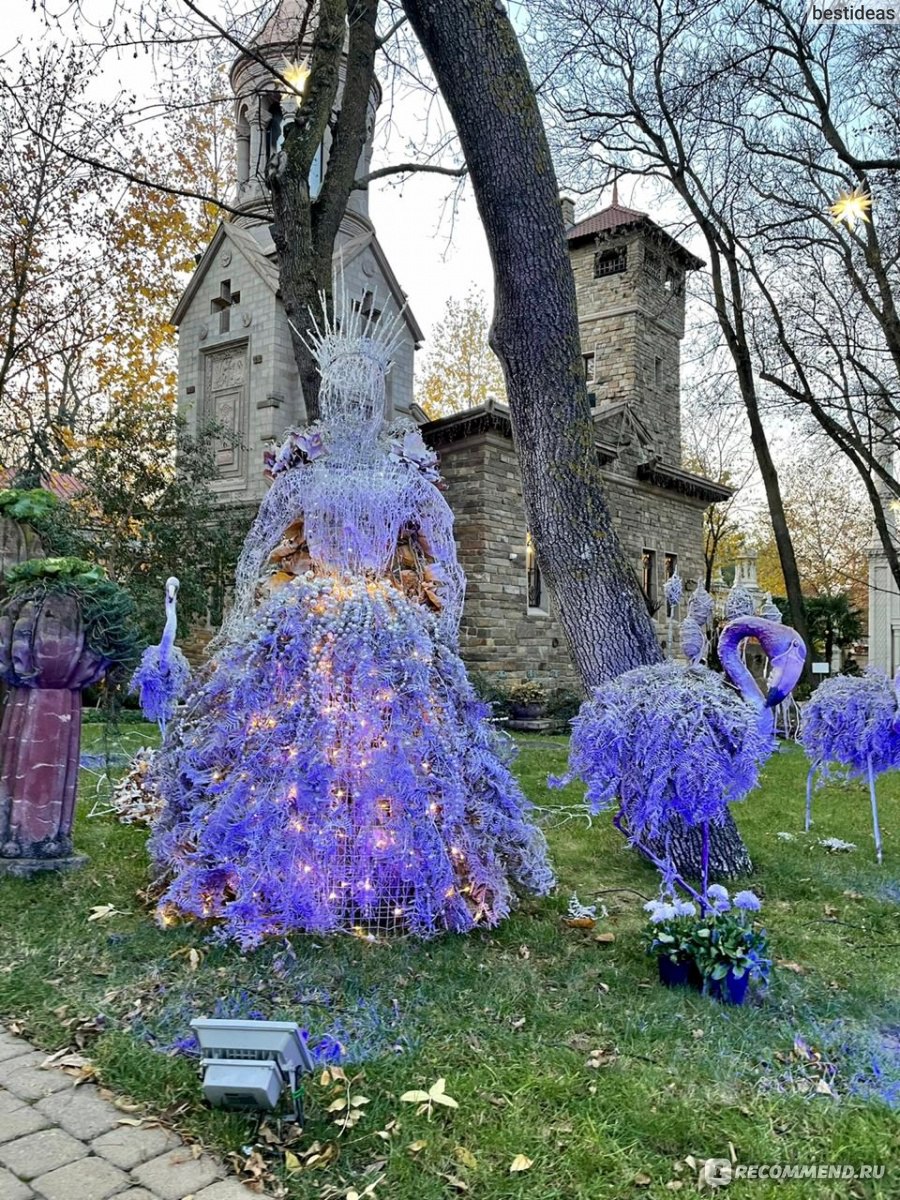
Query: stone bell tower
261, 110
236, 366
630, 282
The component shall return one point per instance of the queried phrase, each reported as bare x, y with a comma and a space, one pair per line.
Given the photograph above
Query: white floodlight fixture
246, 1064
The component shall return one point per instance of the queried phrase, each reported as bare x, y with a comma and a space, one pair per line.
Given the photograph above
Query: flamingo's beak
787, 659
172, 586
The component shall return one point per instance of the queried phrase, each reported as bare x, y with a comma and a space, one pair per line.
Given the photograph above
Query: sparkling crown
357, 328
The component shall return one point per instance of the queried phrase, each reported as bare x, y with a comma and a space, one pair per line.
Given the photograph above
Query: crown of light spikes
355, 329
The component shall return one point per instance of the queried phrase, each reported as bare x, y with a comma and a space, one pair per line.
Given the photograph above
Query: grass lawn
556, 1046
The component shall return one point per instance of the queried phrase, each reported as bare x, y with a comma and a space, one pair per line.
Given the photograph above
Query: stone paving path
59, 1142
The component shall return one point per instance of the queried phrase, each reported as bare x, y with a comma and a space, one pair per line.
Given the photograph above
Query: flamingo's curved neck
785, 651
168, 637
739, 673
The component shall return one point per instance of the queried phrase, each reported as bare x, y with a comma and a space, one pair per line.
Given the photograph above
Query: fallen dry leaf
604, 939
642, 1180
520, 1163
465, 1157
455, 1182
100, 912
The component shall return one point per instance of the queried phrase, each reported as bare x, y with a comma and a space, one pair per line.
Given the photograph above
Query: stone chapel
235, 365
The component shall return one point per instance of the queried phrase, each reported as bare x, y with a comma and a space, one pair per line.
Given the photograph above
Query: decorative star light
851, 207
296, 74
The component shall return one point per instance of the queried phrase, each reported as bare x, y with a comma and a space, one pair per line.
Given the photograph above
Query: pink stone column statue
46, 662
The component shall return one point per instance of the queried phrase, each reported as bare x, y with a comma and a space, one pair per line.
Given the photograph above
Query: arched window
242, 129
274, 129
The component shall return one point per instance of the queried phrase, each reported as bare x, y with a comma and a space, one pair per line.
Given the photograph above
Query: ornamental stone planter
529, 724
46, 663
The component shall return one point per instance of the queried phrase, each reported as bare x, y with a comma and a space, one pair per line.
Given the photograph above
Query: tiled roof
64, 487
617, 216
607, 218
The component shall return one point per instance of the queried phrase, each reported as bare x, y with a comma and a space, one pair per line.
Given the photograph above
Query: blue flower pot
730, 990
680, 974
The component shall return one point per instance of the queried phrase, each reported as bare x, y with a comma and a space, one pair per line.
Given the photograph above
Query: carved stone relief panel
225, 404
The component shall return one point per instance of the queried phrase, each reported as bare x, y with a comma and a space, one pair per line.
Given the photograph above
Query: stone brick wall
267, 400
649, 518
499, 638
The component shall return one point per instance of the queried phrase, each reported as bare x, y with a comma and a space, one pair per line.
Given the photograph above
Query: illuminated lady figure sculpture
334, 769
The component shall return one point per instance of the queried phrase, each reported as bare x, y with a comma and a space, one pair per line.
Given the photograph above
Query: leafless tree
758, 119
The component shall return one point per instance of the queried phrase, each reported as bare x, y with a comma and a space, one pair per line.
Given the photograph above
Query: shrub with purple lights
334, 769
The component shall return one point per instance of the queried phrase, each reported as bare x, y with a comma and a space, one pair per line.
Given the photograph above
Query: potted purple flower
714, 946
728, 949
669, 936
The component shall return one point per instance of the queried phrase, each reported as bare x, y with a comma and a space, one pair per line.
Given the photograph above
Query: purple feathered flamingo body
853, 722
163, 673
671, 740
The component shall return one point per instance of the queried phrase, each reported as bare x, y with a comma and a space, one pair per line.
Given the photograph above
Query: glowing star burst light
296, 74
851, 207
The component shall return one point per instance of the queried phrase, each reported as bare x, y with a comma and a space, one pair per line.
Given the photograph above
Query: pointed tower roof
290, 20
287, 31
616, 217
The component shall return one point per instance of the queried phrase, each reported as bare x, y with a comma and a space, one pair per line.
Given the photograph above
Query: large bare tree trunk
476, 58
475, 55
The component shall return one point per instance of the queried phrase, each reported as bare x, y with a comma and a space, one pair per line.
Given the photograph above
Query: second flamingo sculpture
669, 741
853, 721
163, 673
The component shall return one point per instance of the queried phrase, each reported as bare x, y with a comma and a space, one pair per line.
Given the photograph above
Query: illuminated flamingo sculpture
672, 741
163, 672
853, 721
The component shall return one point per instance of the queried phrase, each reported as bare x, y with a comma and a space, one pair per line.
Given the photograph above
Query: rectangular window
657, 371
533, 582
366, 308
652, 265
611, 262
588, 360
674, 283
648, 562
671, 566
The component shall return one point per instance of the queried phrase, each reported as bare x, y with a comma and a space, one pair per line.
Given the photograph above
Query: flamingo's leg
809, 783
875, 825
705, 856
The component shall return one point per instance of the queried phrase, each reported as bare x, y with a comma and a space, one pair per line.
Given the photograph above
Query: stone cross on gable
223, 304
